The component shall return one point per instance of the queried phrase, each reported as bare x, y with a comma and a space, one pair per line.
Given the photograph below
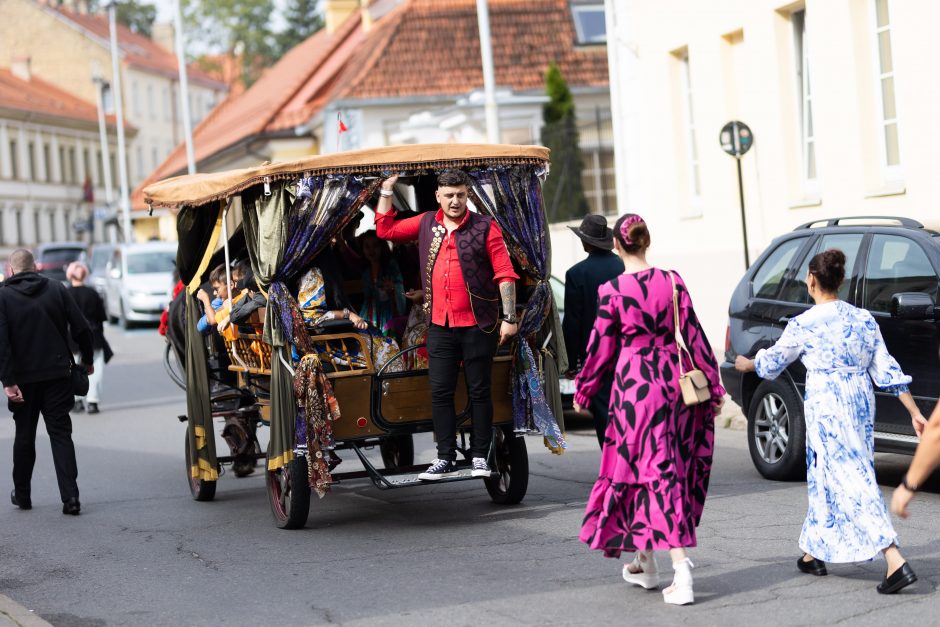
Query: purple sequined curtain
322, 205
516, 205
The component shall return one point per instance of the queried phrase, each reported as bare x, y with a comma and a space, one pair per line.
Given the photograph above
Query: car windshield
99, 260
143, 263
60, 255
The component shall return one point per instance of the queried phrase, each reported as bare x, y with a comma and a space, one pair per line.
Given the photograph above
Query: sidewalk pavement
12, 614
731, 417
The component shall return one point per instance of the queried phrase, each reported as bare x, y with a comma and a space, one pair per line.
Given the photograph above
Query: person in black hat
581, 283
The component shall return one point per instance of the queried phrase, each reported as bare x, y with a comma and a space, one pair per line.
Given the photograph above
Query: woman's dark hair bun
829, 269
638, 233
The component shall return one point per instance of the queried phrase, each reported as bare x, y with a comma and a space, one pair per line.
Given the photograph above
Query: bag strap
680, 342
68, 350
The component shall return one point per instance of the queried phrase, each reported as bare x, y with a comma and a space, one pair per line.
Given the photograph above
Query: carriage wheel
398, 451
511, 464
289, 494
201, 490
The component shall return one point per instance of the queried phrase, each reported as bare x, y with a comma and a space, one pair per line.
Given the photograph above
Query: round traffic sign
736, 138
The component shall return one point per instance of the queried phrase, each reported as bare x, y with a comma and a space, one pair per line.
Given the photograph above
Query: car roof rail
861, 221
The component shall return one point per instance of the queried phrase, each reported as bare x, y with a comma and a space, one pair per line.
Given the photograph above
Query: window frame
889, 172
804, 92
693, 163
803, 241
578, 8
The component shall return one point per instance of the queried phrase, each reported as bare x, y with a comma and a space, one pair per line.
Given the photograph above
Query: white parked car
139, 282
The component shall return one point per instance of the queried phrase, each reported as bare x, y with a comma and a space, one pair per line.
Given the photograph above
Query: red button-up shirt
450, 303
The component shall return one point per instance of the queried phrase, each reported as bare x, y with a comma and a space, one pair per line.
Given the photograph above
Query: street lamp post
100, 86
184, 88
117, 94
489, 82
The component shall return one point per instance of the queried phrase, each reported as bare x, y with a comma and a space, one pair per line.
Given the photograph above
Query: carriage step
400, 481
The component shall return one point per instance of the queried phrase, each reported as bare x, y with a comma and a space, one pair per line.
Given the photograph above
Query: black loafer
902, 577
20, 502
812, 567
72, 507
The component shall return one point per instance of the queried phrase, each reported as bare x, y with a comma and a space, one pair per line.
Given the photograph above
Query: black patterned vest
474, 264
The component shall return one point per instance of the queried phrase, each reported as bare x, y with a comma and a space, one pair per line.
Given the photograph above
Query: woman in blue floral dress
843, 351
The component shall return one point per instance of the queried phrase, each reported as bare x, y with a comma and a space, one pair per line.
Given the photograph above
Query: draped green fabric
199, 430
264, 219
283, 413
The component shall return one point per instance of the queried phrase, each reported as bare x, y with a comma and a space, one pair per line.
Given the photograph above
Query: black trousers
600, 407
447, 347
53, 399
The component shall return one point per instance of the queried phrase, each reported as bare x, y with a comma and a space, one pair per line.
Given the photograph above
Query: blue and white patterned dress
840, 345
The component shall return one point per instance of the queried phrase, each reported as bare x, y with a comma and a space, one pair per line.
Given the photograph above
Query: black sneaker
439, 469
93, 408
480, 468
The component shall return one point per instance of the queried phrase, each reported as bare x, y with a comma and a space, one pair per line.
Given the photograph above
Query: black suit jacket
581, 283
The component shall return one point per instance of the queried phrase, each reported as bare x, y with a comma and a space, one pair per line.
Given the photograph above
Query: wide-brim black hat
594, 231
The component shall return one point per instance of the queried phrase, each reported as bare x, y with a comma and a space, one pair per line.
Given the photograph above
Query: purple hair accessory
625, 228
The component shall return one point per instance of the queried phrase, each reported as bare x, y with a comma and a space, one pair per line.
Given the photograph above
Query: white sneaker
439, 469
645, 573
480, 468
680, 592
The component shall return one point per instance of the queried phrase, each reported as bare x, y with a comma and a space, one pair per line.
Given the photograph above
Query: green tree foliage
563, 191
302, 20
236, 27
137, 16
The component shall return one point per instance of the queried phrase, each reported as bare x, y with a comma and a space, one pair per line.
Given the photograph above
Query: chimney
20, 68
164, 35
337, 11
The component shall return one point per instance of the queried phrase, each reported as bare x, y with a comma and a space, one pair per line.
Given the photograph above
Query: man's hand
506, 331
14, 395
919, 423
899, 501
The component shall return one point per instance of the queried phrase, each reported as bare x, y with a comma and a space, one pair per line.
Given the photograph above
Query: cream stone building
67, 46
841, 96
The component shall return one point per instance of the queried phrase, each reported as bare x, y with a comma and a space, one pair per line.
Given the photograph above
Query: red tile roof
432, 47
421, 48
139, 51
38, 96
286, 94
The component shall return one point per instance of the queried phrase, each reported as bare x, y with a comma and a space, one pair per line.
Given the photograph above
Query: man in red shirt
466, 274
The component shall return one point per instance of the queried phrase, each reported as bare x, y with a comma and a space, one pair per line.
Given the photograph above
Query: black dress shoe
22, 503
902, 577
72, 507
92, 408
812, 567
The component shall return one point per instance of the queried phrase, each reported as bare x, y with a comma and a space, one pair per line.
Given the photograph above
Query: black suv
893, 271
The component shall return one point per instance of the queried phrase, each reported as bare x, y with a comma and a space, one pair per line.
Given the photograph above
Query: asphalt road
144, 553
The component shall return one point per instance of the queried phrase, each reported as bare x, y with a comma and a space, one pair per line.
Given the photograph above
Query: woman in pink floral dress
657, 453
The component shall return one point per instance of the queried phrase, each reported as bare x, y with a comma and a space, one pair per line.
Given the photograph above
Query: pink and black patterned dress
657, 453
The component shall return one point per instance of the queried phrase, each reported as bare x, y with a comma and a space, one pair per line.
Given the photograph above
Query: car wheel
125, 323
776, 432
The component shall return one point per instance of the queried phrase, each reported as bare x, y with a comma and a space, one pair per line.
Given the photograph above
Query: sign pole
736, 139
747, 259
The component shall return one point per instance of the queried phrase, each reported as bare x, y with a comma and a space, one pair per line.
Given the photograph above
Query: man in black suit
581, 283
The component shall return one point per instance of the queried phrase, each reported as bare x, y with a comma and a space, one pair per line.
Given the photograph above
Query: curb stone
12, 614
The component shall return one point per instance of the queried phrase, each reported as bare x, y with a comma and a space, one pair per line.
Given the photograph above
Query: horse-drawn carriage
320, 387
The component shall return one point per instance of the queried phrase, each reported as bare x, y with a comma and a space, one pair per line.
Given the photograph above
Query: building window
166, 102
31, 160
891, 153
151, 105
140, 162
99, 180
86, 159
689, 119
46, 162
598, 178
135, 99
73, 171
14, 163
590, 23
805, 100
154, 158
18, 217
